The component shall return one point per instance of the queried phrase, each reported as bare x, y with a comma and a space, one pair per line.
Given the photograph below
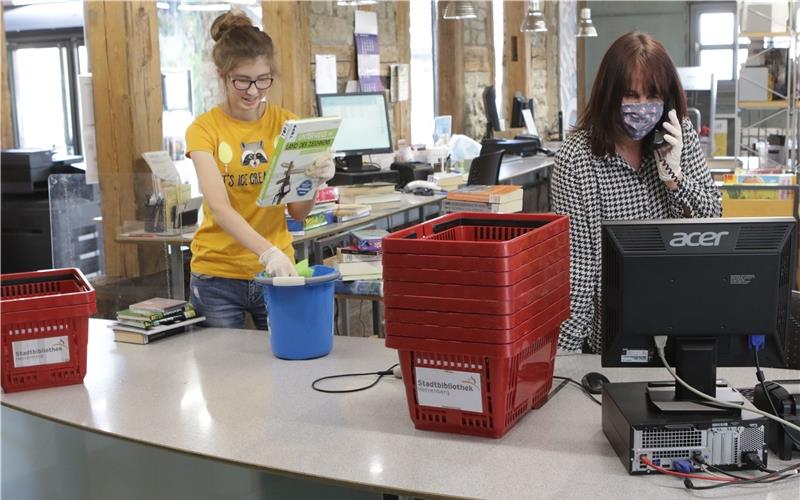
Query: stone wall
478, 67
331, 32
543, 83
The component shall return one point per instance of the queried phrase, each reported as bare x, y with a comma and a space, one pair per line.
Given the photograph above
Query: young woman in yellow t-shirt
230, 146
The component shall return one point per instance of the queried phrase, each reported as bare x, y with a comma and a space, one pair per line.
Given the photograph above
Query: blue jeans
224, 301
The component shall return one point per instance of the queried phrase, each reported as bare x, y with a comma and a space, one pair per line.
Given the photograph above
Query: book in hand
158, 305
486, 194
300, 144
135, 335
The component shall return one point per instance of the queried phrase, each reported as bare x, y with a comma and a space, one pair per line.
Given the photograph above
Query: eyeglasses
244, 83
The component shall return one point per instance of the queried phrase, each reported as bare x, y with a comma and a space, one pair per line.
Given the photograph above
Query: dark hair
237, 40
631, 55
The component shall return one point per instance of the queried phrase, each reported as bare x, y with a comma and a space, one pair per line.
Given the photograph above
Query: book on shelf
366, 188
486, 194
509, 207
355, 254
300, 143
369, 239
365, 276
320, 216
134, 335
360, 268
373, 199
158, 305
349, 211
146, 321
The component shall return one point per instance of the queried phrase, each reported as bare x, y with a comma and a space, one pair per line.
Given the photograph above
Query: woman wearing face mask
230, 146
610, 169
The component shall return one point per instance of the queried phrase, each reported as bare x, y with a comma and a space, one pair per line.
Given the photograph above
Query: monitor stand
695, 364
354, 163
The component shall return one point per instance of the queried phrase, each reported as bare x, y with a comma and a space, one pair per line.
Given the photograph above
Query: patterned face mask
640, 118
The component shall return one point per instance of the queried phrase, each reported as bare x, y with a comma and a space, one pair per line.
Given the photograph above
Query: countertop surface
222, 394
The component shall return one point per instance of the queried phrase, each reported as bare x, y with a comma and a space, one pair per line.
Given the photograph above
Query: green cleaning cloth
303, 269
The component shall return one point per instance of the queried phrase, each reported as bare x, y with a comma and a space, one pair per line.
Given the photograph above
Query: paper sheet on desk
161, 165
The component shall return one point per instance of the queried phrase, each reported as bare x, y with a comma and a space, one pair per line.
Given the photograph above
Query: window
43, 82
45, 53
714, 33
421, 21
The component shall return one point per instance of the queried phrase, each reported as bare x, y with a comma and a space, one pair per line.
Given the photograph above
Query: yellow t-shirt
242, 151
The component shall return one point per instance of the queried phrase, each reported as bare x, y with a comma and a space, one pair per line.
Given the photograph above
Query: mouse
397, 372
593, 382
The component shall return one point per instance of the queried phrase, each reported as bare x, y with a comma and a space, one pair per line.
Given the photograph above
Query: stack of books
505, 199
361, 261
346, 212
376, 194
448, 181
149, 320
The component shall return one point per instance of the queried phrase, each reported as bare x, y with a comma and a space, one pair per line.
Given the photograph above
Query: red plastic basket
463, 271
44, 326
514, 378
487, 235
468, 298
546, 308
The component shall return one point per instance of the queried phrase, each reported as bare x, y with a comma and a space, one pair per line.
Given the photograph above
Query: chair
485, 169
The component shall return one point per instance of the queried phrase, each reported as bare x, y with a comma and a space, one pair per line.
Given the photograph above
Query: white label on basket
40, 351
449, 389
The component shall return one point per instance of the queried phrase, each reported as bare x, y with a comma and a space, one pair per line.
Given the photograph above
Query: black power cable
581, 387
760, 377
380, 374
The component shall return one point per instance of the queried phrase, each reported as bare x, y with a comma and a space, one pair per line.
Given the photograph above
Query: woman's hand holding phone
668, 159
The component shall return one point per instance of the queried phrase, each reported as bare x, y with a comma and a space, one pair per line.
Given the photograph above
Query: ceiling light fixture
585, 27
534, 19
459, 9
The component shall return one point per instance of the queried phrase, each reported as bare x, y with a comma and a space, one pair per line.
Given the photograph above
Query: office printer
522, 145
411, 171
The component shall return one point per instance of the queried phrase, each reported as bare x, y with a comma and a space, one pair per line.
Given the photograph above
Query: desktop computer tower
635, 428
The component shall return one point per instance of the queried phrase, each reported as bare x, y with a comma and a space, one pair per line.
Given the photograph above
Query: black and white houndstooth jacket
592, 188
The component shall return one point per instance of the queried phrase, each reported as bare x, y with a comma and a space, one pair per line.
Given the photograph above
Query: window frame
68, 40
698, 9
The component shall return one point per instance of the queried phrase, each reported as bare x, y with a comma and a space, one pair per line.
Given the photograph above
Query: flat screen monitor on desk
714, 287
364, 129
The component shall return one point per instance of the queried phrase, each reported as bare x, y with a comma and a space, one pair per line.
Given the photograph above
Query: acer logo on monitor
697, 239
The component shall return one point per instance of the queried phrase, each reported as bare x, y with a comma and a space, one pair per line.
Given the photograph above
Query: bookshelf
767, 96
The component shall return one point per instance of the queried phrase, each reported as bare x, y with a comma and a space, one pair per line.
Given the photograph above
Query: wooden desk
212, 411
173, 247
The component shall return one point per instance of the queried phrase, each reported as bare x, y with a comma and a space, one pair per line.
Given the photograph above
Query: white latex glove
276, 263
322, 169
669, 158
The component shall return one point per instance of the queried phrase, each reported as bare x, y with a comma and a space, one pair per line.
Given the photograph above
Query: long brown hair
237, 40
631, 55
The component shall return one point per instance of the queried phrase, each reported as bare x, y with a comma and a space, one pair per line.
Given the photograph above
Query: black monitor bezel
610, 353
354, 152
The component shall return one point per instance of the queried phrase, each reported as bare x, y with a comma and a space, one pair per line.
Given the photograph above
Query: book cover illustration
300, 144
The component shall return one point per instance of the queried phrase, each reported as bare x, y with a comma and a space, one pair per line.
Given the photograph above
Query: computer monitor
490, 108
712, 286
364, 129
518, 103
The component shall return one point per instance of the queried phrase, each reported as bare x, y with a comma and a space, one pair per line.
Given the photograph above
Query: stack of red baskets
476, 300
44, 326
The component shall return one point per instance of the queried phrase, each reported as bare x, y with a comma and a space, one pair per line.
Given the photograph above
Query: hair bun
228, 21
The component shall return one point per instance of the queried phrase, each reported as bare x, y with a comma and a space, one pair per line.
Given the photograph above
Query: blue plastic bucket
301, 313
